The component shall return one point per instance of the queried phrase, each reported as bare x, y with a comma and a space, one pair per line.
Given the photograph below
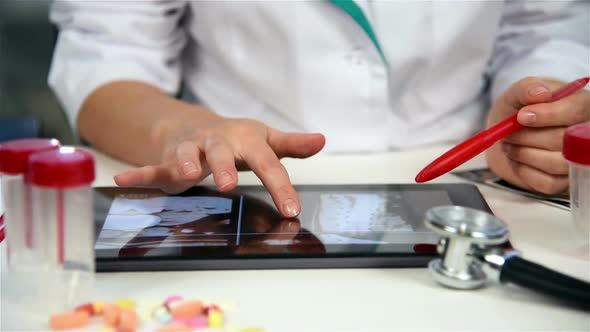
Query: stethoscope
474, 251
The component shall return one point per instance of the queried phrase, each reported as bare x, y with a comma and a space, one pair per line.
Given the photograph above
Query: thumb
530, 90
295, 145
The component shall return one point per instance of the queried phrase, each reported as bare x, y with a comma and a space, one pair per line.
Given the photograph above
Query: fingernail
122, 177
537, 90
290, 208
118, 177
188, 167
224, 179
527, 118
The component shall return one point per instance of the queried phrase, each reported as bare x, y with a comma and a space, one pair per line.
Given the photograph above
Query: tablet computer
340, 226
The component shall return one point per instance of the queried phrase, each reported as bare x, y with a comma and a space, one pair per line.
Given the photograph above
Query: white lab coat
307, 66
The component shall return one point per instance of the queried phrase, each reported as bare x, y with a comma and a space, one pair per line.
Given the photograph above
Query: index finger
565, 112
266, 165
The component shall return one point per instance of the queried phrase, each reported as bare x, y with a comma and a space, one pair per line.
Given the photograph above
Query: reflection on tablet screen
247, 220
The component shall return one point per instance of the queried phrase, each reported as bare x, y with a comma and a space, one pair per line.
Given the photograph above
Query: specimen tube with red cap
62, 199
576, 149
24, 240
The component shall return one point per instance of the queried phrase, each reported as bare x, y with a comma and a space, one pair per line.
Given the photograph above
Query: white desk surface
376, 299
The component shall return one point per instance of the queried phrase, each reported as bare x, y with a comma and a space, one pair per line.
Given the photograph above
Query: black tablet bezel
462, 194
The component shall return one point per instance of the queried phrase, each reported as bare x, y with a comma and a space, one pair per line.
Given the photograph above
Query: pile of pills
174, 314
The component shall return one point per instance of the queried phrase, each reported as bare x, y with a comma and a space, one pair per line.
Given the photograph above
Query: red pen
483, 140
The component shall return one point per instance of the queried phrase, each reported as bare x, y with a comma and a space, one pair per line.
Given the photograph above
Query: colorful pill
195, 322
106, 329
111, 315
162, 315
173, 298
215, 319
128, 321
211, 307
174, 328
98, 307
87, 307
69, 320
186, 309
125, 304
198, 322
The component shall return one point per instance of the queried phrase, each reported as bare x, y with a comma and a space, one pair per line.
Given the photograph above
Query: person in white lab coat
370, 75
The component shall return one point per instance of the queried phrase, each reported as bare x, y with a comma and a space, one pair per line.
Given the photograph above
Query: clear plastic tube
69, 221
580, 198
25, 245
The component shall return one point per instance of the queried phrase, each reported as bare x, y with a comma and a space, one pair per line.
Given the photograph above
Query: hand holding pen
530, 119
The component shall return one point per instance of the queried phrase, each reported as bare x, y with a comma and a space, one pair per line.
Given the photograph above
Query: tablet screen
337, 220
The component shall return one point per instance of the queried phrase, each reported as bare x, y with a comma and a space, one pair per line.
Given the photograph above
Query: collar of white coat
358, 11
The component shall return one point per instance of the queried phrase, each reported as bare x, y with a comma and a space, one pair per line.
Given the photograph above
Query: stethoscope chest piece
473, 251
464, 232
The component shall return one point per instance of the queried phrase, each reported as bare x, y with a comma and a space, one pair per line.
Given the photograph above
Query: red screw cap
576, 144
66, 167
14, 154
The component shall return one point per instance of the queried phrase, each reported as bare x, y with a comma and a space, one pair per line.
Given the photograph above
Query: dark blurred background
27, 105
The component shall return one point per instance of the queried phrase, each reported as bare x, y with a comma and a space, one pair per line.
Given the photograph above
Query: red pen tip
420, 178
585, 80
